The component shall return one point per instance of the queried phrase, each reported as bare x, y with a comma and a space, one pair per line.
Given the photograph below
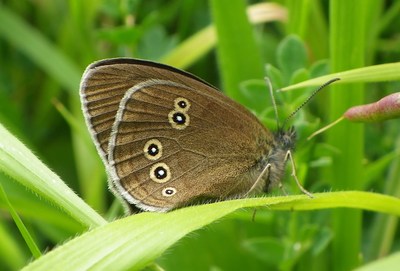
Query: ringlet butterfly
169, 139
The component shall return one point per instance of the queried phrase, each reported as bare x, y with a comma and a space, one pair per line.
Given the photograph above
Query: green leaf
275, 75
136, 241
300, 75
319, 68
388, 263
257, 93
292, 56
23, 166
376, 73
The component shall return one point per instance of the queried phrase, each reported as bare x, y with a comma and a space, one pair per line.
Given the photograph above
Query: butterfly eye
160, 173
181, 104
178, 120
169, 191
153, 149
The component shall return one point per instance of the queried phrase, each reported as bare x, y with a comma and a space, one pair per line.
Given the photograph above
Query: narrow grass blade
32, 43
203, 41
22, 229
136, 241
388, 263
239, 57
23, 166
376, 73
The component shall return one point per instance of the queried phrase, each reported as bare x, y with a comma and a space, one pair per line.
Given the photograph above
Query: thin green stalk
12, 256
238, 55
347, 45
384, 227
90, 170
23, 230
299, 11
318, 35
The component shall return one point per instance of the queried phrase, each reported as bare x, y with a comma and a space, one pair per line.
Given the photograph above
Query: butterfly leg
259, 179
294, 175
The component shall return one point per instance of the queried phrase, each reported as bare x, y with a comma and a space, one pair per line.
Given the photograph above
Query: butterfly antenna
308, 99
271, 92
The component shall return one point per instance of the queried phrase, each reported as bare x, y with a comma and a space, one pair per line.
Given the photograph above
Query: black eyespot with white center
160, 173
153, 149
181, 104
168, 192
178, 120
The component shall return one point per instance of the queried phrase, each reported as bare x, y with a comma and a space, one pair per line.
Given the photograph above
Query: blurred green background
46, 45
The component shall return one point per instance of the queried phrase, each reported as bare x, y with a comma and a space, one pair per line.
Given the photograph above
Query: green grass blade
88, 162
72, 121
12, 256
23, 166
239, 57
136, 241
203, 41
184, 55
376, 73
388, 263
22, 229
347, 46
39, 49
299, 11
383, 230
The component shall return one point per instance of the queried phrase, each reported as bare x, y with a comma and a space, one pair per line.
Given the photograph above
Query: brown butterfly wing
211, 149
105, 82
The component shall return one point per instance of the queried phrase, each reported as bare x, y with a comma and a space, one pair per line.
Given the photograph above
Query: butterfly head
285, 139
